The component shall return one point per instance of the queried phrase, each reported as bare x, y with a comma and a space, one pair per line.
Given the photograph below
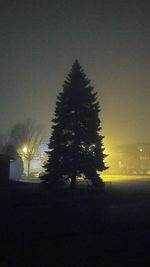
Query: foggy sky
39, 40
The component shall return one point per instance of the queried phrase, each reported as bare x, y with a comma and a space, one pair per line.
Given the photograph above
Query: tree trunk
28, 171
73, 182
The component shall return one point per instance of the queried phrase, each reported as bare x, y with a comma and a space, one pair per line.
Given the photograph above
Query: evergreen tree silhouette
75, 146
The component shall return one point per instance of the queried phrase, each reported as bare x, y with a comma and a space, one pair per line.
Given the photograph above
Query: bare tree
3, 141
26, 138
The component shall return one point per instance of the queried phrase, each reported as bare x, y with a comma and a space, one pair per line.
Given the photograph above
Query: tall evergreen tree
75, 146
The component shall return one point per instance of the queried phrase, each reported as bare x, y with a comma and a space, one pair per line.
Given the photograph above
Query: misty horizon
39, 43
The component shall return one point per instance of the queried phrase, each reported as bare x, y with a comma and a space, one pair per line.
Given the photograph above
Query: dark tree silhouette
9, 150
75, 146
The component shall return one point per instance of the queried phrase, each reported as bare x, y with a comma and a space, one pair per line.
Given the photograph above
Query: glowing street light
24, 149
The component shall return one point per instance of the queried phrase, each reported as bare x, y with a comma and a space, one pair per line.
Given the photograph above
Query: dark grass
84, 227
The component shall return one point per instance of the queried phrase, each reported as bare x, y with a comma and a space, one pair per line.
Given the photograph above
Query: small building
4, 169
16, 169
130, 159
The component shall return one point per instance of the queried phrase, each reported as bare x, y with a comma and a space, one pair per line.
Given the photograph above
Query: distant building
129, 159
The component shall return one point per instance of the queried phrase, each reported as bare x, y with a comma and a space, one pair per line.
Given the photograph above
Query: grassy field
40, 227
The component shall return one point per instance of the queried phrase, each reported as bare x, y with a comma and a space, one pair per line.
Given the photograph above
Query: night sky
39, 40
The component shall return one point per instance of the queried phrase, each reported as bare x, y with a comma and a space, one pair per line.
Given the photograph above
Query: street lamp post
27, 156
